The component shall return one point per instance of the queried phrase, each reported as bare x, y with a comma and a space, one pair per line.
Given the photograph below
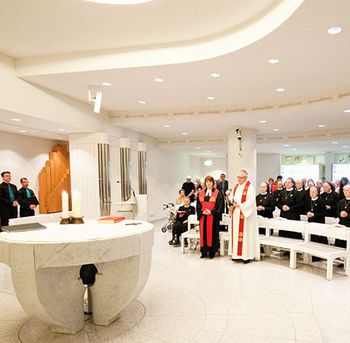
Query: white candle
65, 205
76, 204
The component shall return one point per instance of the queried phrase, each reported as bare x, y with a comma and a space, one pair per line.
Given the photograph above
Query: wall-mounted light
95, 96
208, 163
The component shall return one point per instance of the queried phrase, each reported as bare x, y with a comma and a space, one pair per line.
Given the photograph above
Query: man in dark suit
8, 199
27, 199
223, 184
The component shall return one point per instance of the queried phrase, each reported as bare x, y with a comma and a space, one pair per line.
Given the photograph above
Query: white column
84, 169
329, 158
241, 154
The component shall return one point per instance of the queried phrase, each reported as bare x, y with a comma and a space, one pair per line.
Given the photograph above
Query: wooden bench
328, 252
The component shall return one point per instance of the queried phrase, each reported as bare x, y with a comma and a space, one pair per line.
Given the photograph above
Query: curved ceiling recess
255, 27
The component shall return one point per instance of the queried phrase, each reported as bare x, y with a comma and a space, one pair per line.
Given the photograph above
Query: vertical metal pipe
104, 178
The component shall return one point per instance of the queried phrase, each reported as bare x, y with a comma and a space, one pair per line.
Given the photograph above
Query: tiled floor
188, 299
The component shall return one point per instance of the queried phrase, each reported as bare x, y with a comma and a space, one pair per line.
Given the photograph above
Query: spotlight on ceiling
95, 96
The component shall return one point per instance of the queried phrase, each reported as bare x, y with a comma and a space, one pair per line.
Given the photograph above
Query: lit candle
65, 205
76, 204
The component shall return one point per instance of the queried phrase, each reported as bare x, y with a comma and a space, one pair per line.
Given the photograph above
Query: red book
110, 220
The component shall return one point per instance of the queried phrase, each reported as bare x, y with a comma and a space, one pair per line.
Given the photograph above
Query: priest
244, 232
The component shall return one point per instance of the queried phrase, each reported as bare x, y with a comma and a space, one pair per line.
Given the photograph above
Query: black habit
265, 200
318, 208
7, 211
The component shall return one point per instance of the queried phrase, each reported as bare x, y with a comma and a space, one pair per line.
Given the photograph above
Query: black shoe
246, 261
171, 242
203, 255
211, 255
176, 242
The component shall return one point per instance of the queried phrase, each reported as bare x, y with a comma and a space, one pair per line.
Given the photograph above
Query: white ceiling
313, 68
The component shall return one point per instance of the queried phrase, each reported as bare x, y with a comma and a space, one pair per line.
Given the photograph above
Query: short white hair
346, 187
243, 171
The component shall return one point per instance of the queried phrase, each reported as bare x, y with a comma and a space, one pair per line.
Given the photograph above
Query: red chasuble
207, 205
241, 218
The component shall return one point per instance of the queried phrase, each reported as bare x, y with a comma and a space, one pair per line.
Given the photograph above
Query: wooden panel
54, 178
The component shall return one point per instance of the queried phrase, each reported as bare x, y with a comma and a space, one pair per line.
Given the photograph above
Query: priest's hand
206, 212
15, 203
260, 208
343, 214
310, 214
285, 208
328, 207
236, 205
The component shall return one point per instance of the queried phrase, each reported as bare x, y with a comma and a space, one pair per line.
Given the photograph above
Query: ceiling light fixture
274, 60
210, 98
262, 121
280, 90
61, 129
159, 80
208, 163
345, 146
321, 125
334, 30
95, 96
275, 130
347, 110
335, 142
184, 133
106, 84
16, 119
215, 75
120, 2
208, 151
197, 147
23, 131
286, 145
167, 125
142, 102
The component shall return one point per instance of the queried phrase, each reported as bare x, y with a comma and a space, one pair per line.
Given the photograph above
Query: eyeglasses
241, 177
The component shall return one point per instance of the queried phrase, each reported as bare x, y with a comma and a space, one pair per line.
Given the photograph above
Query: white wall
166, 172
24, 156
268, 165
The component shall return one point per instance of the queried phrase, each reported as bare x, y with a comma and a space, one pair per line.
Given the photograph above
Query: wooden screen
54, 178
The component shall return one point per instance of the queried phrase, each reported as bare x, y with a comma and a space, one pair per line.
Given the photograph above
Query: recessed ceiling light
280, 90
286, 145
198, 147
208, 151
184, 133
120, 2
335, 142
61, 129
142, 102
262, 121
275, 130
106, 84
274, 60
210, 98
334, 30
208, 163
16, 119
23, 131
321, 125
167, 125
215, 75
159, 80
345, 146
347, 110
59, 137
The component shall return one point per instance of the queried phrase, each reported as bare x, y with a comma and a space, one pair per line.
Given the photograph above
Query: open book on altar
110, 220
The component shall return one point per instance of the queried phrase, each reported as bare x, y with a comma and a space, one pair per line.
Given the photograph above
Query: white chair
328, 252
190, 234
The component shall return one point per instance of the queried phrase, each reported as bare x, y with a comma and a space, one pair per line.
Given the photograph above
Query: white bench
328, 252
284, 243
192, 234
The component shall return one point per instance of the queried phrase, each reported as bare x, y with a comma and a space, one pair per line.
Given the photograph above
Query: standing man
244, 233
189, 188
223, 184
8, 199
27, 199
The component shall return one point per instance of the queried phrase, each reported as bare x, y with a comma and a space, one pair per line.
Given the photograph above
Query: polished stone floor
188, 299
